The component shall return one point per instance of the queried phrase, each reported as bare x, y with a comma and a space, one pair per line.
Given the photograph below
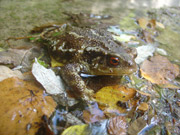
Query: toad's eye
114, 61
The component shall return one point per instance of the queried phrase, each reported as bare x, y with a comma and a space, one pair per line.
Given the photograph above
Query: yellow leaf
22, 106
143, 22
55, 63
76, 130
110, 96
143, 106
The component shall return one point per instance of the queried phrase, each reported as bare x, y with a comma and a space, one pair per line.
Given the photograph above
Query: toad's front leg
70, 74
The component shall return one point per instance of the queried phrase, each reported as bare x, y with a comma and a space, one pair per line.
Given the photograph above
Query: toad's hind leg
70, 74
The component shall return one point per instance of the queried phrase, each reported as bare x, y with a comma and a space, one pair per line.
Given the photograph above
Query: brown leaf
20, 57
93, 114
148, 29
22, 106
147, 36
117, 126
136, 126
12, 56
178, 103
152, 23
159, 70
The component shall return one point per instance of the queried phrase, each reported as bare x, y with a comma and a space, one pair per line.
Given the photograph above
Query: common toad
89, 51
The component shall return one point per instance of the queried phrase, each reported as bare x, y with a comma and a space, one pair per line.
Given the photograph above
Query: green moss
128, 23
169, 40
3, 47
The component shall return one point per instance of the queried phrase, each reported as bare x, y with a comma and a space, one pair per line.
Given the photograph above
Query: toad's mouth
114, 71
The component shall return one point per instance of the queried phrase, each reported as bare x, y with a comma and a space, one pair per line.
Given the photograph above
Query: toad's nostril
130, 63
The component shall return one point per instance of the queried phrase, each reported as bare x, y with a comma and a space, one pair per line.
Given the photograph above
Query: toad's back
95, 50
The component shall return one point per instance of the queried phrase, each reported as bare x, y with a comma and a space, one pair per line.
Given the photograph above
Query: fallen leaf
61, 118
97, 128
76, 130
23, 104
55, 63
159, 70
93, 114
143, 106
111, 95
136, 126
124, 37
149, 31
147, 36
143, 93
170, 86
52, 83
121, 36
71, 119
160, 25
161, 51
117, 126
178, 103
20, 57
143, 22
8, 73
143, 52
142, 125
152, 23
12, 56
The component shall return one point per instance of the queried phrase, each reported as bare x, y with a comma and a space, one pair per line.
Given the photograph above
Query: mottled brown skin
89, 51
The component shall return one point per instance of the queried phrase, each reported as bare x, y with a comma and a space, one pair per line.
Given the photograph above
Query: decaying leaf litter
149, 97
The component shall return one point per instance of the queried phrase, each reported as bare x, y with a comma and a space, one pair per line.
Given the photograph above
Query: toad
88, 51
